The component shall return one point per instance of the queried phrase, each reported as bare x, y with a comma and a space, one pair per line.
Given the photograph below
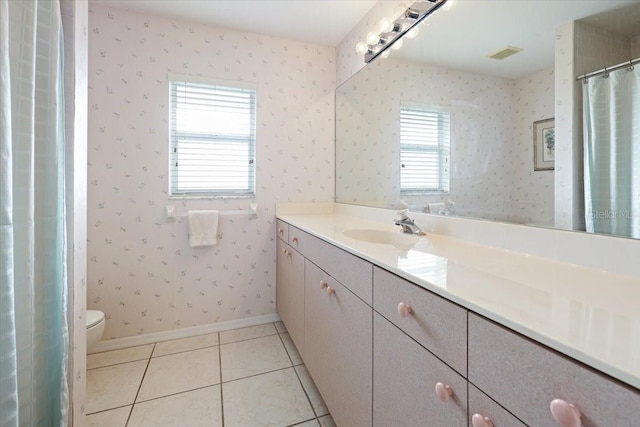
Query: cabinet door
404, 383
290, 292
338, 335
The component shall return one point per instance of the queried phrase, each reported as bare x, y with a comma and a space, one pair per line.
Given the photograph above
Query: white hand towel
203, 228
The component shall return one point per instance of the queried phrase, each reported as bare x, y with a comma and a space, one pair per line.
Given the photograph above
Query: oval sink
394, 238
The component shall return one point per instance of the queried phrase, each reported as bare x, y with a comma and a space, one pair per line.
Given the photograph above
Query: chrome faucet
407, 224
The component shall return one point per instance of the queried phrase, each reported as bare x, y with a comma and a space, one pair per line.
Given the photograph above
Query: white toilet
95, 328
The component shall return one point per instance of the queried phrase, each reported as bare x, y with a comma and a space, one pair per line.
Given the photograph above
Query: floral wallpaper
564, 123
531, 192
141, 270
491, 118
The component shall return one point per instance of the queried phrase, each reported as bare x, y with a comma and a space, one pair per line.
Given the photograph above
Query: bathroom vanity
437, 330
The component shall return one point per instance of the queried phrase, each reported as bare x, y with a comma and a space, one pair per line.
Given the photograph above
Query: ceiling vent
505, 52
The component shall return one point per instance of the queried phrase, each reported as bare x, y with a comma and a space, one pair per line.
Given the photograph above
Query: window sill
423, 193
213, 197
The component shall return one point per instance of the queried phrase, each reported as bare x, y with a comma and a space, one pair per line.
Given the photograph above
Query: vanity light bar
414, 14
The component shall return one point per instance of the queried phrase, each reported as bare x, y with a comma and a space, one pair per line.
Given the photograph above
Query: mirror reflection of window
424, 151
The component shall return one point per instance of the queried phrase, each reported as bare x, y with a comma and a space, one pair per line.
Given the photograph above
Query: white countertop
588, 314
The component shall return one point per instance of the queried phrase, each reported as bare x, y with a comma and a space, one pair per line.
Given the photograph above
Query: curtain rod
607, 69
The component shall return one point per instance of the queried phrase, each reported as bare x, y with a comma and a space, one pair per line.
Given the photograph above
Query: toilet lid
94, 317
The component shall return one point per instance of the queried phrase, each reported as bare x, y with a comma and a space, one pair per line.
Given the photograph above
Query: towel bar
252, 211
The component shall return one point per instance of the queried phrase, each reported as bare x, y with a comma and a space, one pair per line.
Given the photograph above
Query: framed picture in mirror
544, 145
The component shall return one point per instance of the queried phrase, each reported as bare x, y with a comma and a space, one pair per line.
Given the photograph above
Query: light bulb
372, 38
385, 54
385, 26
361, 48
397, 45
412, 33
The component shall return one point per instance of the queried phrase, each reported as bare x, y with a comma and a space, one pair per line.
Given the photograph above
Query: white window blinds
212, 138
424, 151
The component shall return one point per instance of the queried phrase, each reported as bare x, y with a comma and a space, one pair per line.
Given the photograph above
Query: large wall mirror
441, 126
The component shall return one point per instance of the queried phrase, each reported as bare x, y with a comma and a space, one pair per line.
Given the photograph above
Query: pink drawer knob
294, 239
285, 252
443, 391
323, 284
479, 420
404, 309
330, 291
565, 413
280, 230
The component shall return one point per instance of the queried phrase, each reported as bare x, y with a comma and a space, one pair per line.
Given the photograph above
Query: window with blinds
424, 151
212, 138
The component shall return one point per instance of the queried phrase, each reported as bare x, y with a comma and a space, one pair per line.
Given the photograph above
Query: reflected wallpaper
492, 119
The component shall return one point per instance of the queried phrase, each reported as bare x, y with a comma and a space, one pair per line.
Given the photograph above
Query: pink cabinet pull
280, 230
285, 252
443, 391
565, 413
294, 239
330, 290
323, 284
404, 309
478, 420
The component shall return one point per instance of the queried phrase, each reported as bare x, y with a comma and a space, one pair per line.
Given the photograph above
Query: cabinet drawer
480, 403
525, 377
404, 380
282, 230
348, 269
439, 325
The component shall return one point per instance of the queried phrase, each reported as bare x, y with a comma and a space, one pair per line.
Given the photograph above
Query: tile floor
244, 377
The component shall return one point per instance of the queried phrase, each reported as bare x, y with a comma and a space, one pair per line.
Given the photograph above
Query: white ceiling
323, 22
464, 32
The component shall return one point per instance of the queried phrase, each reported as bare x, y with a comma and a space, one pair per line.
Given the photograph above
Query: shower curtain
611, 112
34, 339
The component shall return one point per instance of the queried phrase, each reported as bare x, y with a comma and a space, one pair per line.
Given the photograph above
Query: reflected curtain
611, 113
34, 339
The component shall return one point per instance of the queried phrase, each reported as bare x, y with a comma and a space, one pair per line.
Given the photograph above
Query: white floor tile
180, 372
107, 358
244, 358
197, 408
273, 399
182, 383
291, 349
113, 386
327, 421
112, 418
185, 344
247, 333
319, 407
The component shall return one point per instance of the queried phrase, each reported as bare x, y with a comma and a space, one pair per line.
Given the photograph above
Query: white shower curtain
34, 339
611, 112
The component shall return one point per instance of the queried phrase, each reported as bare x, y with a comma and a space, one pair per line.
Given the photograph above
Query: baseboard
118, 343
